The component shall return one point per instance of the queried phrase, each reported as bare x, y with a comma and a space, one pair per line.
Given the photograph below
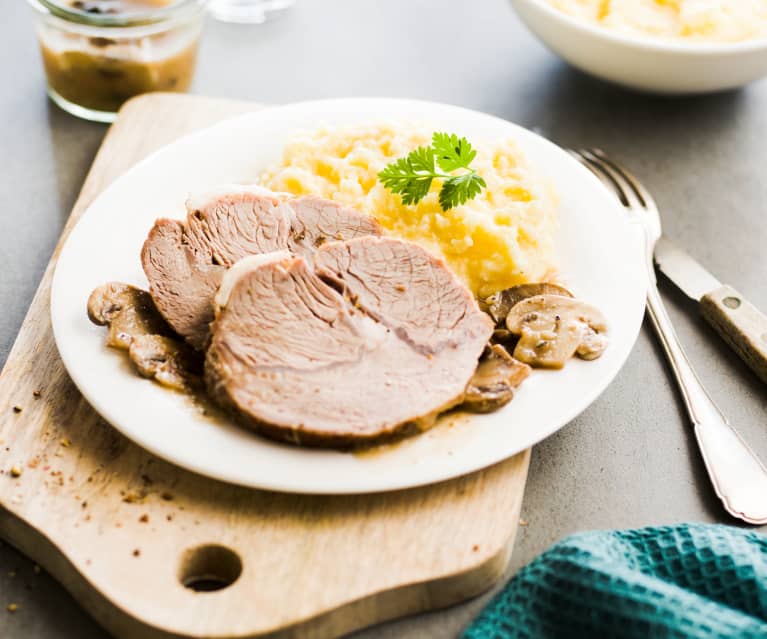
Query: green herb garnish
412, 176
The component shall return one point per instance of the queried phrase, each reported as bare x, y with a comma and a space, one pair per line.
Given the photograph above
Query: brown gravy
98, 80
156, 352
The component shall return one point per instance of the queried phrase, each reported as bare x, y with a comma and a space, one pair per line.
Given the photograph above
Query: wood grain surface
122, 530
740, 324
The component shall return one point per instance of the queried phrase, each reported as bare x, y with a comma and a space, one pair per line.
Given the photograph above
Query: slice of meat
182, 281
185, 261
299, 361
227, 224
318, 221
405, 288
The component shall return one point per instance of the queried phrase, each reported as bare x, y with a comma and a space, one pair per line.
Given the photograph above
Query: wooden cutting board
124, 531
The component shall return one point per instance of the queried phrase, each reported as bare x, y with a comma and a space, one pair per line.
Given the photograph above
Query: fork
739, 478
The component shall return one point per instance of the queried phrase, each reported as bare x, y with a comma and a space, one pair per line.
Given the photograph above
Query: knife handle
740, 324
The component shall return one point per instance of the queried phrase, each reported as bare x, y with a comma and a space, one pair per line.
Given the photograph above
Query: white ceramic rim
629, 236
651, 43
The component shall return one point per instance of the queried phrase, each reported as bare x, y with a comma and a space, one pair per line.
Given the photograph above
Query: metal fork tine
630, 198
641, 192
604, 176
577, 155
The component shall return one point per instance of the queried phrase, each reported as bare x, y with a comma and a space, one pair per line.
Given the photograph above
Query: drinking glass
246, 11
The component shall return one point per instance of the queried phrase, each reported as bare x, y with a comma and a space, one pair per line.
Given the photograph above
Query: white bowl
645, 63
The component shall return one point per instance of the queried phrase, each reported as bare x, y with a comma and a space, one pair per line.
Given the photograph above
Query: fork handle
740, 324
739, 478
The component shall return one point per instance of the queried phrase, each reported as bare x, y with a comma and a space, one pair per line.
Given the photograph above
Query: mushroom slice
505, 338
127, 311
499, 304
169, 362
136, 326
494, 381
553, 328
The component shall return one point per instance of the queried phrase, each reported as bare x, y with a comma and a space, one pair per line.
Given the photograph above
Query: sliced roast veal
405, 288
185, 261
181, 280
337, 361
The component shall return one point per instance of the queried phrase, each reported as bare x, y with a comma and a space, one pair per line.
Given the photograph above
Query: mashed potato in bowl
503, 237
698, 20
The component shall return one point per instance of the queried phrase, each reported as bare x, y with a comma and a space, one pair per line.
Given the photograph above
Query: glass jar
98, 54
247, 11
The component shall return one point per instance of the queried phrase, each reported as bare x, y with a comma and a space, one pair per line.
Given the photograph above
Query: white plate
600, 259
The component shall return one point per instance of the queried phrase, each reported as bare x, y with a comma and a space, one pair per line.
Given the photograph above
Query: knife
736, 320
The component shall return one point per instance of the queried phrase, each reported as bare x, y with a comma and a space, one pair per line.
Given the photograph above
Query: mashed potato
503, 237
712, 20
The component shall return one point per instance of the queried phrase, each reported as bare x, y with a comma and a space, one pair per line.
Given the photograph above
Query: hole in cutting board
209, 568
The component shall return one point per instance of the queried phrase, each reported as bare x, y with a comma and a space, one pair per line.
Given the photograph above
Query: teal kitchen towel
690, 580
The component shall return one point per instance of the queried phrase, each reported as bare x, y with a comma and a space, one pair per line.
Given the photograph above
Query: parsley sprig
412, 175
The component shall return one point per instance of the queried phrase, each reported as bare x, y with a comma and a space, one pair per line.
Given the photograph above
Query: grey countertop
630, 459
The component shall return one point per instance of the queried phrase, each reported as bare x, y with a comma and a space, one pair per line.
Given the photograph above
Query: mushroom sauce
538, 326
546, 326
136, 326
